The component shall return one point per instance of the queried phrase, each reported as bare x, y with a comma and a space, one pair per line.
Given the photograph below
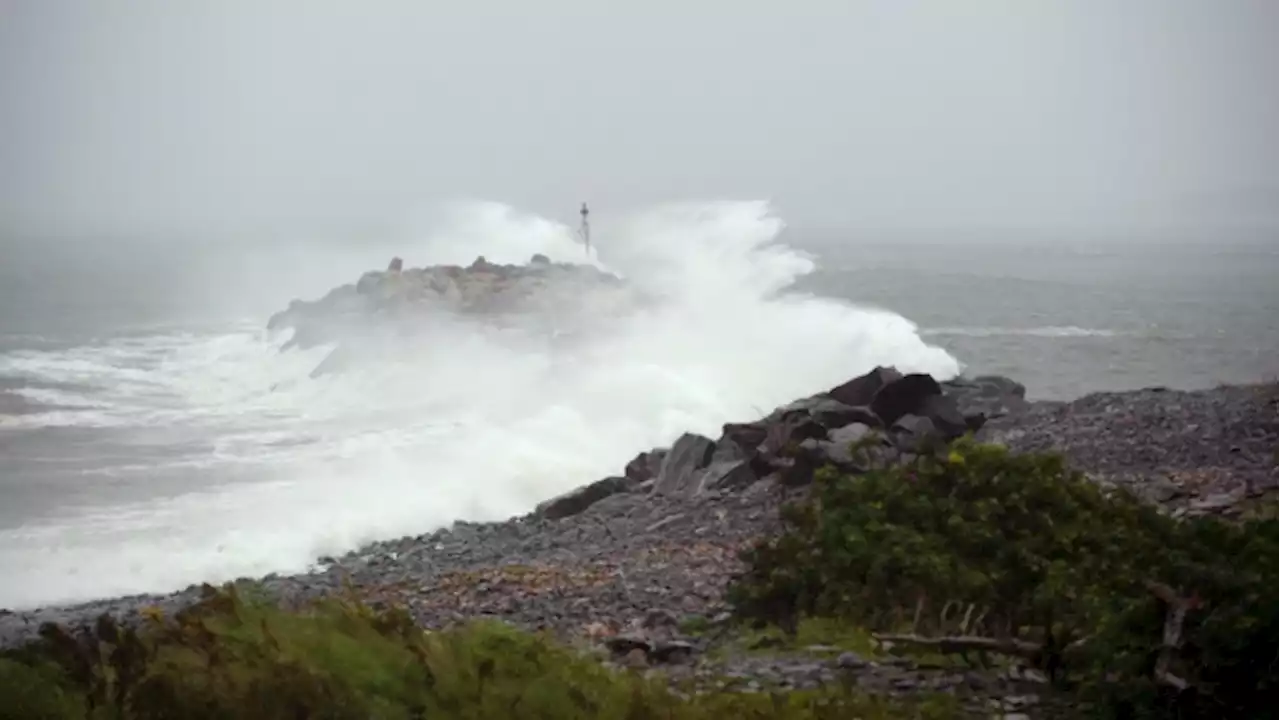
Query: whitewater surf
238, 463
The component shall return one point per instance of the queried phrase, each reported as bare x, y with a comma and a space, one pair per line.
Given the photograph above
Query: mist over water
155, 458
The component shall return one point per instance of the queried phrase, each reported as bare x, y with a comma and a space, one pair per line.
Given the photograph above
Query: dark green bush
1017, 554
231, 660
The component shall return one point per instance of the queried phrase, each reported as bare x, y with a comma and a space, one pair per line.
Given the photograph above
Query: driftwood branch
1178, 607
966, 643
915, 619
1176, 614
946, 612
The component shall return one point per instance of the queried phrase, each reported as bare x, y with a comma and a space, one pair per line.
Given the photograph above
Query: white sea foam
1052, 331
468, 426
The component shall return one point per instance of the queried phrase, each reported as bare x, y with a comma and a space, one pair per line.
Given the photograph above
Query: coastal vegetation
967, 554
226, 658
980, 554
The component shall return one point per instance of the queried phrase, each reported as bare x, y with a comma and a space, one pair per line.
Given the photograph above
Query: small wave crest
1052, 331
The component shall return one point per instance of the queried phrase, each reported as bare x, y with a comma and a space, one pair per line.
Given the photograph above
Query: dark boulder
826, 411
748, 436
791, 432
396, 265
904, 396
578, 500
945, 414
731, 467
727, 475
860, 390
645, 466
797, 469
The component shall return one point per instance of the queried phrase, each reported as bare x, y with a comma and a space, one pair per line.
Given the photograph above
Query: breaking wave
280, 468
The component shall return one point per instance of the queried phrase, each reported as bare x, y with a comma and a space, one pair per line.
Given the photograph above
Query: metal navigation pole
585, 229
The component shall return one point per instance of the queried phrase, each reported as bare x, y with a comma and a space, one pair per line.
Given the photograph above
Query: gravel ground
1205, 451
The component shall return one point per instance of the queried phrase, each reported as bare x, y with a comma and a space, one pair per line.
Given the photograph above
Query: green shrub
36, 692
227, 659
1016, 554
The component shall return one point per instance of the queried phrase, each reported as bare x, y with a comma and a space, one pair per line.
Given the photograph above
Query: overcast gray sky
232, 116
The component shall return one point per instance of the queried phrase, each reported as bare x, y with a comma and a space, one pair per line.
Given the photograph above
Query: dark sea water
1071, 315
151, 435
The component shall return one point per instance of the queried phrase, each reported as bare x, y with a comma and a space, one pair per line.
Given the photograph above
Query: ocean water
152, 435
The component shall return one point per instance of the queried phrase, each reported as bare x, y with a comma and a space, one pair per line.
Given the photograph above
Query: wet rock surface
383, 310
619, 565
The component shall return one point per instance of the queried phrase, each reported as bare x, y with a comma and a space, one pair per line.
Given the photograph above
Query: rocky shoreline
631, 565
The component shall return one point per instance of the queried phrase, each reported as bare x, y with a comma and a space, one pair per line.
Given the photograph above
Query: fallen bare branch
1169, 678
1162, 591
966, 643
1174, 617
977, 622
946, 612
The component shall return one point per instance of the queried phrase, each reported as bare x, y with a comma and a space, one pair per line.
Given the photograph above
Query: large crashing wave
468, 425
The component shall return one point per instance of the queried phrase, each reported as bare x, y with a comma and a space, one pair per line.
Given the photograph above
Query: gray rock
797, 470
730, 468
621, 645
826, 411
578, 500
914, 433
791, 432
748, 436
837, 449
679, 472
726, 475
834, 414
986, 397
664, 522
671, 651
659, 618
851, 661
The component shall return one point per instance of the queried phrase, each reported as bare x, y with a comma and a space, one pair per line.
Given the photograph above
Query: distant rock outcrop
383, 306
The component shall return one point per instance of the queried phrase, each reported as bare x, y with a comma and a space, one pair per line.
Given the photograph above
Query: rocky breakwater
892, 416
399, 304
